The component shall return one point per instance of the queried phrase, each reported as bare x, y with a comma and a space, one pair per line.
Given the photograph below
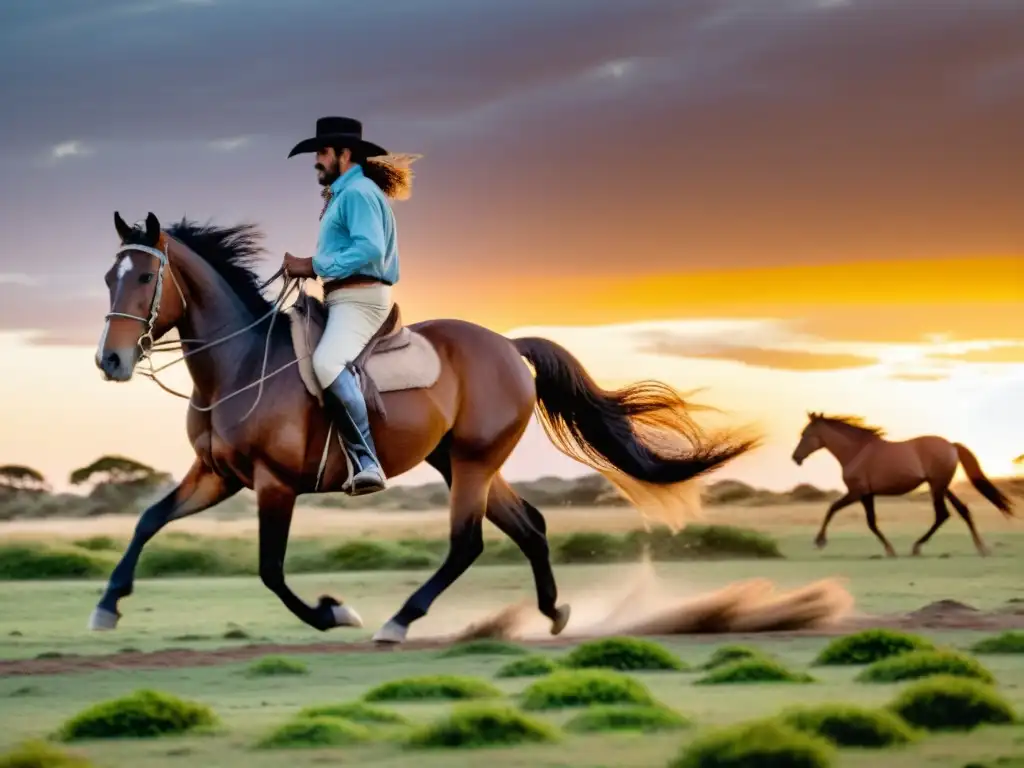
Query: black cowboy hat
338, 131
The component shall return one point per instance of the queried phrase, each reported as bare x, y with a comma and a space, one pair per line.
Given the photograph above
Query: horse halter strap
146, 339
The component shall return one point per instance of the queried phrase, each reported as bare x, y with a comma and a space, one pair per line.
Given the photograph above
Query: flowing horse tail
984, 486
599, 428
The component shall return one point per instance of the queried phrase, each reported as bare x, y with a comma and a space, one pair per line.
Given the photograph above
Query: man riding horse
357, 259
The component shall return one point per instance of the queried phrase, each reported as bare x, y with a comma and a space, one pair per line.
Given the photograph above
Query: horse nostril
112, 362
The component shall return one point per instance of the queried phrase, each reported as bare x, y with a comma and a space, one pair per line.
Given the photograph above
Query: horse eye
146, 278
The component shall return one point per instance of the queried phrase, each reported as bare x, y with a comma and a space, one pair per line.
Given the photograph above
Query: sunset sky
787, 204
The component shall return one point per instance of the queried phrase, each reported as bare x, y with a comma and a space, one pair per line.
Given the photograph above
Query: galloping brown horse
273, 437
873, 466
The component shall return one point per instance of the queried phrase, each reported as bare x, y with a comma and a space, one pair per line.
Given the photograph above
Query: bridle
145, 342
147, 345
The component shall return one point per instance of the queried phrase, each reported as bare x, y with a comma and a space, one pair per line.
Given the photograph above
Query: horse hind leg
470, 483
941, 516
525, 525
965, 513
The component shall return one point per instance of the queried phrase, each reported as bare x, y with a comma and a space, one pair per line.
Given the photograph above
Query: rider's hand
296, 266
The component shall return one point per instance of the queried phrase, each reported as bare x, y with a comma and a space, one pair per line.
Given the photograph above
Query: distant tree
19, 478
112, 470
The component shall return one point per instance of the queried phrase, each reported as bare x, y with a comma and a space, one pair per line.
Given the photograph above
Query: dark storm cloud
592, 135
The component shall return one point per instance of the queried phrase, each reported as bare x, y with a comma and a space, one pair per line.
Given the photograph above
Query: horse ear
123, 230
152, 229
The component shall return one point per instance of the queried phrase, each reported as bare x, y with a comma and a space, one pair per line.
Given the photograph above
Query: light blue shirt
357, 232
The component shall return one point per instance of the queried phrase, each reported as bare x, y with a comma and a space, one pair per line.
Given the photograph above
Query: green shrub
1007, 642
356, 712
706, 542
484, 647
31, 561
315, 732
590, 547
274, 666
144, 713
375, 556
869, 646
584, 687
730, 653
483, 726
850, 726
39, 754
756, 745
753, 670
533, 665
917, 664
626, 717
624, 654
433, 687
945, 703
98, 544
188, 560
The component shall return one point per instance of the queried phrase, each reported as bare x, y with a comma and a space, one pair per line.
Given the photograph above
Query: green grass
50, 616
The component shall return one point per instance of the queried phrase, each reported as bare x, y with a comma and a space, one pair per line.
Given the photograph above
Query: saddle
395, 358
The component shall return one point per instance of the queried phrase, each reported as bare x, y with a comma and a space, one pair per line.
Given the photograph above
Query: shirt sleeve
362, 216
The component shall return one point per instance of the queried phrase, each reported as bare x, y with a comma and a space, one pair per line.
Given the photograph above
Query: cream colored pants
353, 315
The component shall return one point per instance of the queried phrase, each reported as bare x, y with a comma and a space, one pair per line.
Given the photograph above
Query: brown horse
873, 466
274, 437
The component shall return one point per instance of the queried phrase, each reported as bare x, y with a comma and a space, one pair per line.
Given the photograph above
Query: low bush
730, 653
39, 754
144, 713
356, 712
627, 717
32, 561
315, 732
433, 687
533, 665
869, 646
917, 664
850, 726
483, 647
483, 726
276, 666
756, 745
591, 547
753, 670
952, 704
624, 654
1006, 642
706, 542
98, 544
584, 687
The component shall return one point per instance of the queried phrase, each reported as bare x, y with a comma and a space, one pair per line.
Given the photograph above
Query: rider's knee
324, 367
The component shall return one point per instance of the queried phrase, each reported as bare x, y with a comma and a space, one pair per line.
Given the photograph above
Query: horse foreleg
869, 512
469, 488
821, 540
200, 489
276, 502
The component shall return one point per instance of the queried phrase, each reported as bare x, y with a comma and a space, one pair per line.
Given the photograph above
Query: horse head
141, 311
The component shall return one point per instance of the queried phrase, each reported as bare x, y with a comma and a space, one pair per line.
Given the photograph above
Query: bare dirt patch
746, 610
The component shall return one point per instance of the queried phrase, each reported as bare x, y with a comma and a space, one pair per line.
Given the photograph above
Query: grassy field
46, 619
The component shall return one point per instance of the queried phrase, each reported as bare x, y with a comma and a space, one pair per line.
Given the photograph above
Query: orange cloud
761, 357
1011, 353
919, 376
902, 301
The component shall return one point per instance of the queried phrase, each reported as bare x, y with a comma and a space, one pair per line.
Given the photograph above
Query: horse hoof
102, 620
820, 543
344, 616
560, 620
392, 633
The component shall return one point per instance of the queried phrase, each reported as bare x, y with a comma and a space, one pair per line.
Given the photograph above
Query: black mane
232, 252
